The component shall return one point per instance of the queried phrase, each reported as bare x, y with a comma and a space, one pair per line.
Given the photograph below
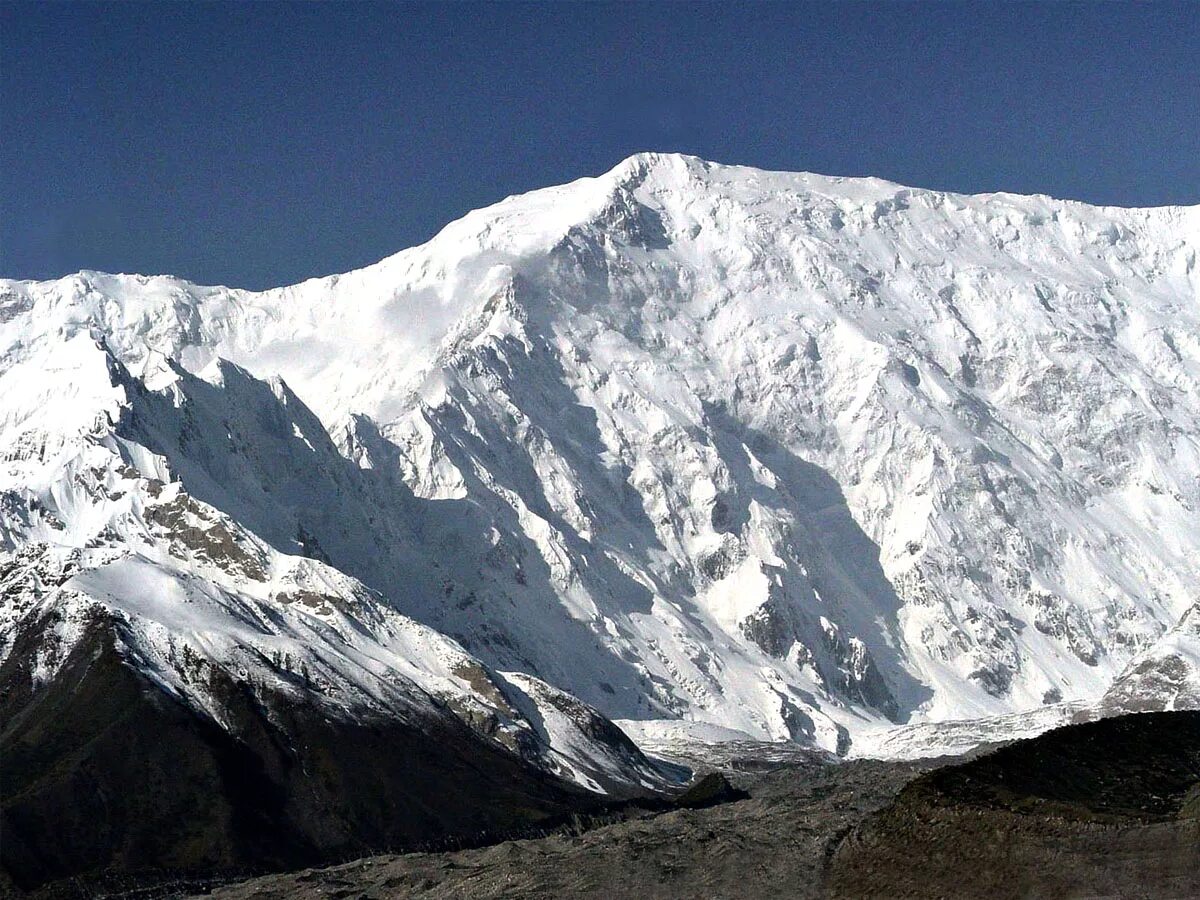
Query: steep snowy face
100, 541
795, 456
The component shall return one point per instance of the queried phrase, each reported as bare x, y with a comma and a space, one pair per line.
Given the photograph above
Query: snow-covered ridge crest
418, 295
793, 455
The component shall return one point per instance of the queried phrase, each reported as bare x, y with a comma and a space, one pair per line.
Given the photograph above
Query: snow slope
94, 527
779, 455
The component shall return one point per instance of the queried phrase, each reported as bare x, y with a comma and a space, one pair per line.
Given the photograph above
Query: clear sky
256, 144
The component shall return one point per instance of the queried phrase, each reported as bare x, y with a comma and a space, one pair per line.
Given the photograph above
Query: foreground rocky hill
1108, 808
105, 780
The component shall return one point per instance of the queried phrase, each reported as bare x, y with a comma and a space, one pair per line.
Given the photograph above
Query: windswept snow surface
772, 455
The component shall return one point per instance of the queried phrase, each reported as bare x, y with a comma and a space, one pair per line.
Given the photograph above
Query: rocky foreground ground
1104, 809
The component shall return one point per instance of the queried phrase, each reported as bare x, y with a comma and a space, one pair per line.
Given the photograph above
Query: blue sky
260, 144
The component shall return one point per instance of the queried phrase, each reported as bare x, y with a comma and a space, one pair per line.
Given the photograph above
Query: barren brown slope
1102, 809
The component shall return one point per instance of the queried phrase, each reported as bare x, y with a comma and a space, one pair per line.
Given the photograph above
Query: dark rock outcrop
1106, 808
105, 776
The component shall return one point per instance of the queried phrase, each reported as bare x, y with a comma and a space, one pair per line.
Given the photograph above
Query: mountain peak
638, 164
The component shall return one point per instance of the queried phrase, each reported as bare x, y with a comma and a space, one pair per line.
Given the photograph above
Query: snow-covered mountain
717, 451
101, 535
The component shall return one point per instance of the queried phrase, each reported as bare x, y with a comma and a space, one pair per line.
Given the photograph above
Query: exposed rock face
1165, 676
